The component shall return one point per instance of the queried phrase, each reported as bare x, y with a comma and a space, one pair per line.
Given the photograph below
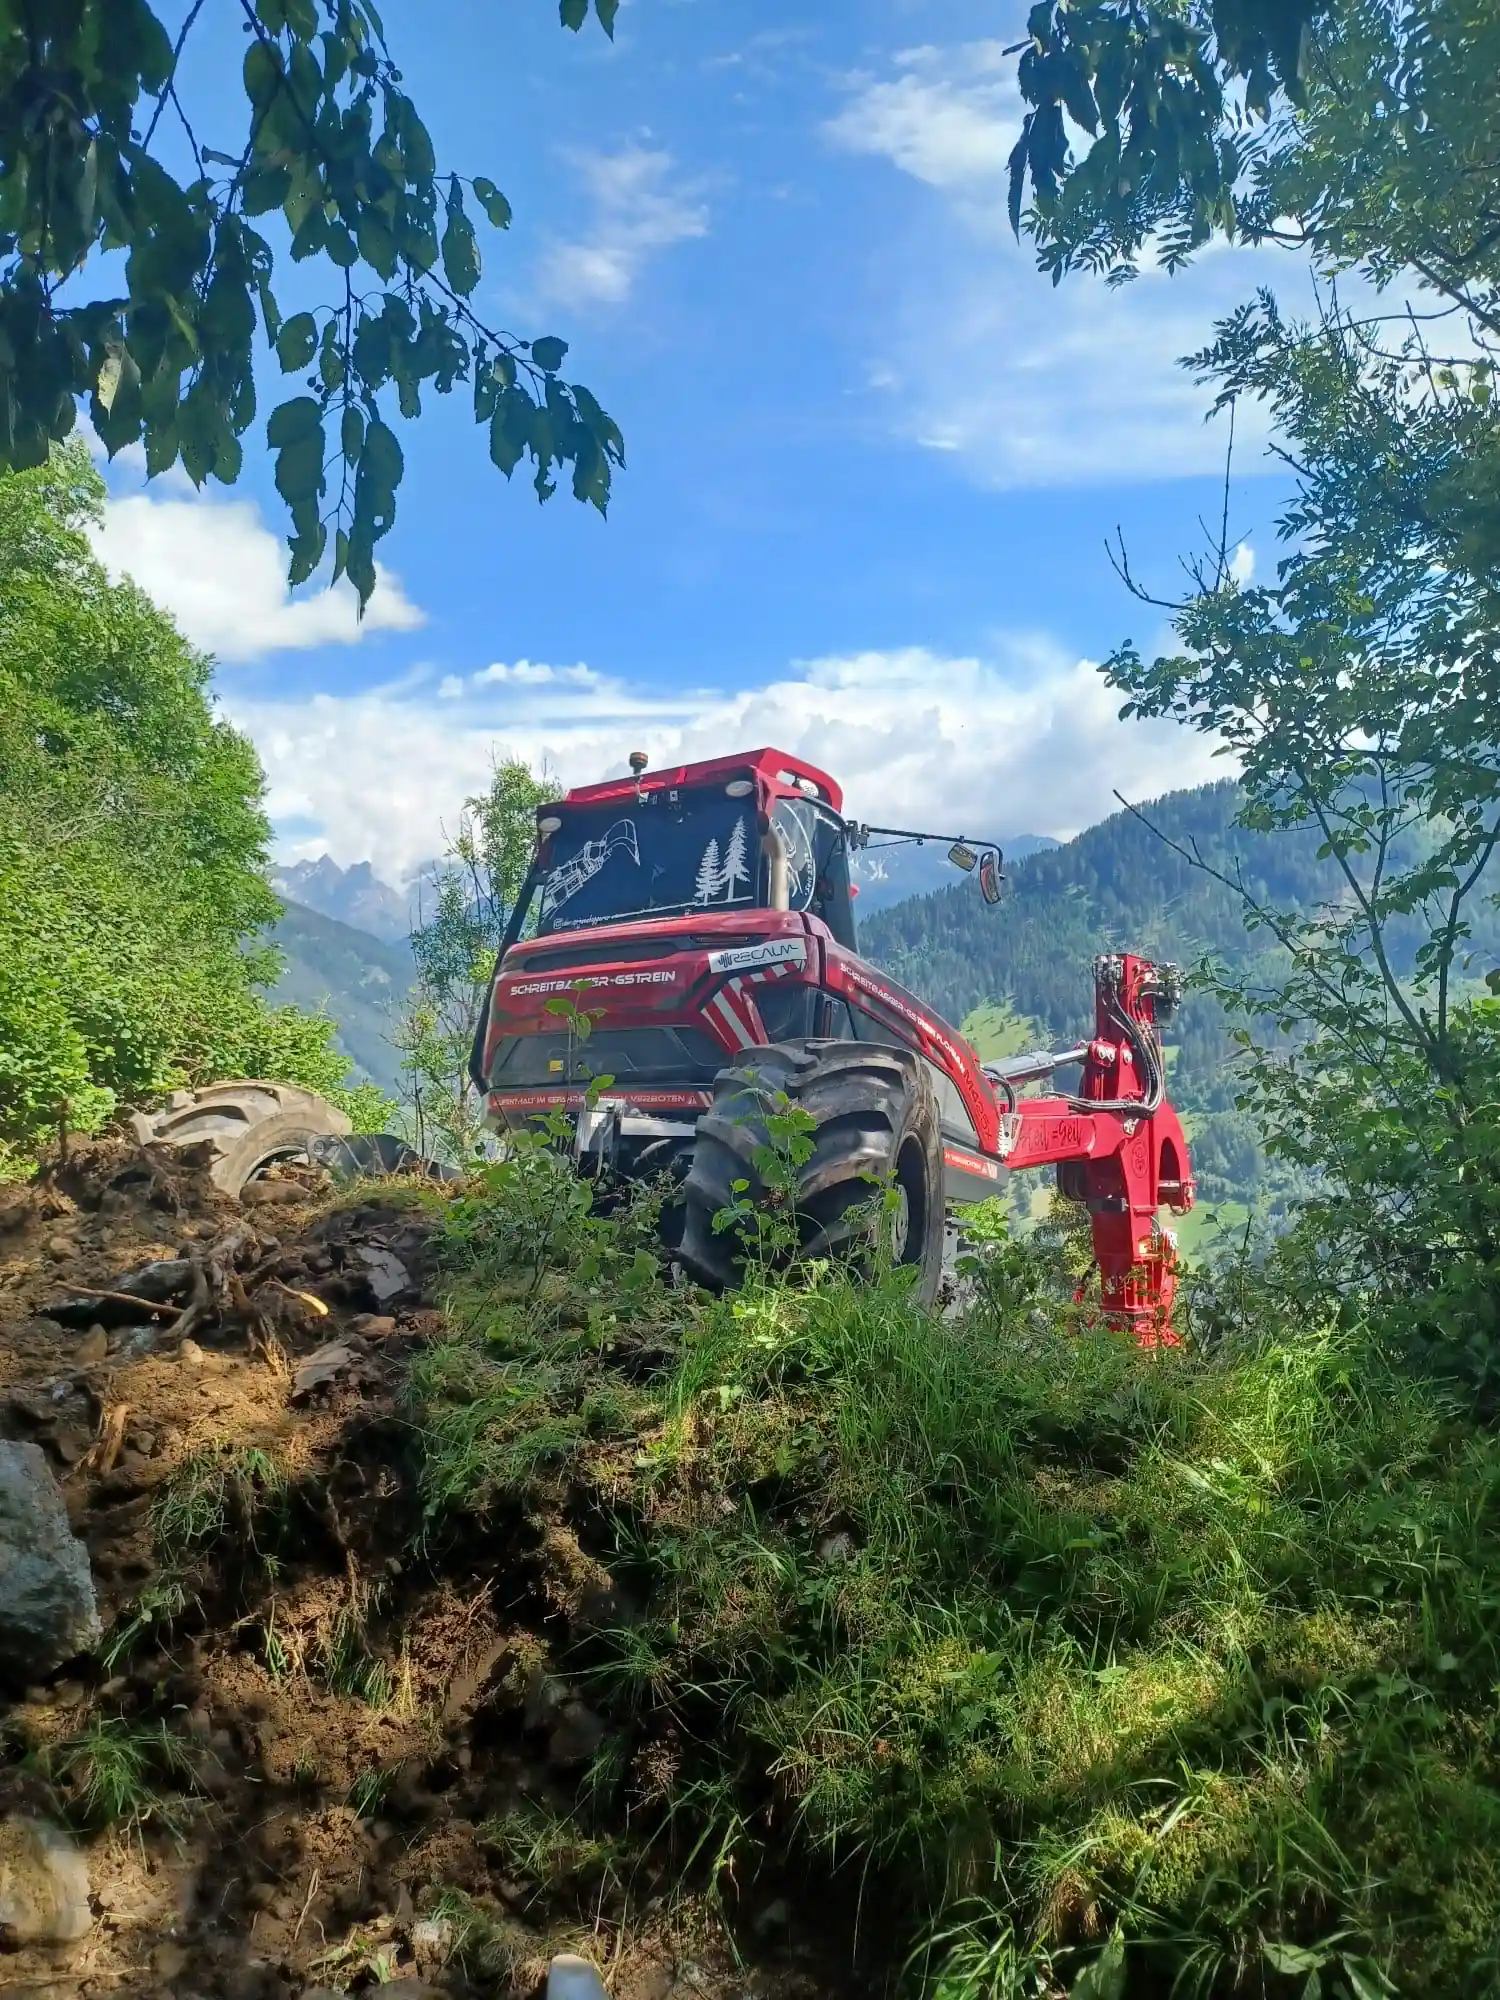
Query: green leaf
1104, 1977
549, 353
1366, 1980
573, 13
352, 432
607, 10
262, 72
296, 342
460, 251
294, 420
1284, 1956
490, 199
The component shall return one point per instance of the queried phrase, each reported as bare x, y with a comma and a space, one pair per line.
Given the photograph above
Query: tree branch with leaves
336, 164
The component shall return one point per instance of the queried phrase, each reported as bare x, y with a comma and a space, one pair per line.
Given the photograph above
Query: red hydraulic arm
1118, 1146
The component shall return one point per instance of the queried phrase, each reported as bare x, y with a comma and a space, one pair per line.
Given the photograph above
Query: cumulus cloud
974, 352
948, 132
637, 211
221, 572
1024, 740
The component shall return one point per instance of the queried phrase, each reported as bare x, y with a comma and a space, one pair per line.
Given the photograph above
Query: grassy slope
1041, 1639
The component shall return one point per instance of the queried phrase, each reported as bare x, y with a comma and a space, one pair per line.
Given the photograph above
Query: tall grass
1074, 1650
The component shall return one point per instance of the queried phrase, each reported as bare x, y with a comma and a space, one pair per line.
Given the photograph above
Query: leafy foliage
1359, 692
1358, 128
132, 844
456, 941
91, 121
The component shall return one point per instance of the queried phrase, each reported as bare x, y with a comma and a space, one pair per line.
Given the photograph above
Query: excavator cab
716, 844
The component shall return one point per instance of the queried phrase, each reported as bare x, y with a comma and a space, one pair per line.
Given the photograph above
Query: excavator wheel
875, 1124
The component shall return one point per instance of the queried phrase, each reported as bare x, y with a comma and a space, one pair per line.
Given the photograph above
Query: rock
545, 1696
191, 1354
272, 1194
373, 1326
836, 1548
44, 1885
432, 1943
169, 1960
47, 1608
14, 1215
323, 1366
61, 1248
603, 1605
92, 1349
384, 1273
572, 1978
577, 1737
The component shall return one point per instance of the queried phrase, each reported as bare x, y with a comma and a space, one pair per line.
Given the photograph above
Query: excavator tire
245, 1124
875, 1123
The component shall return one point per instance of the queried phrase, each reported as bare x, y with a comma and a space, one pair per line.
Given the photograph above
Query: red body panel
708, 972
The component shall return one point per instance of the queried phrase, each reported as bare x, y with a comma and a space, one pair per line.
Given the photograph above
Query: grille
685, 1056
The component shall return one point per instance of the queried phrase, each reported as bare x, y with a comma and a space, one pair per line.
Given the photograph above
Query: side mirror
990, 878
962, 856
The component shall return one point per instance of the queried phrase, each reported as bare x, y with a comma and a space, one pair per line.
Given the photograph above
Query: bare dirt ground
344, 1715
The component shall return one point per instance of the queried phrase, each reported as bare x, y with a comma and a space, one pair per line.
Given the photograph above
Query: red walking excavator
702, 919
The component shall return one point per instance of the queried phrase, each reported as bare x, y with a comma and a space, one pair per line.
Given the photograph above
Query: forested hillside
358, 980
1121, 885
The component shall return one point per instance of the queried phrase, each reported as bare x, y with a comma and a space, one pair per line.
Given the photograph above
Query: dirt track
350, 1713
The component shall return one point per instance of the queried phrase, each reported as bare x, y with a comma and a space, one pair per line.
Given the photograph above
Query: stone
572, 1978
545, 1696
323, 1366
169, 1960
271, 1194
44, 1884
191, 1354
373, 1326
92, 1349
577, 1738
47, 1608
384, 1273
432, 1941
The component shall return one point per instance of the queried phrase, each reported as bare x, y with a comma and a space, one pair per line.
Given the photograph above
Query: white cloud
974, 352
940, 130
221, 572
1024, 741
636, 212
1242, 564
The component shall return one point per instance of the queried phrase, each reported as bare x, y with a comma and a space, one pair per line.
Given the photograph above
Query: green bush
132, 845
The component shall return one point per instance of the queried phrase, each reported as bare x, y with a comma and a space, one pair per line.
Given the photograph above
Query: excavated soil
348, 1710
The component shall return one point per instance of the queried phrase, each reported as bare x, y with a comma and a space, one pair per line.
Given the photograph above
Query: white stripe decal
720, 1005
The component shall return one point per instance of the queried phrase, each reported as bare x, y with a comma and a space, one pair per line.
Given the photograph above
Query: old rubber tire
875, 1119
246, 1124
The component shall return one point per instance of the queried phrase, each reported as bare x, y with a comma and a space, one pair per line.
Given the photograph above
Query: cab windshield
664, 855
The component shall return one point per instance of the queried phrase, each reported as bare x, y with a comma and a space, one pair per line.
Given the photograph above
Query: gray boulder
47, 1608
573, 1978
44, 1885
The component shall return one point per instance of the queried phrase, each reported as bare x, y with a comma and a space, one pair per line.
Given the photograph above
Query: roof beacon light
638, 762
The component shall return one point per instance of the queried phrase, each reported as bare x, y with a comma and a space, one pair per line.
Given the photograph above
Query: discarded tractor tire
247, 1124
875, 1123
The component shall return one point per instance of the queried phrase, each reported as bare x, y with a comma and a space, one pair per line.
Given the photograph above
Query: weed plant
1106, 1669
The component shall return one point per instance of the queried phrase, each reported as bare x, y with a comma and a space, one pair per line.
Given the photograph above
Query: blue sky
873, 456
